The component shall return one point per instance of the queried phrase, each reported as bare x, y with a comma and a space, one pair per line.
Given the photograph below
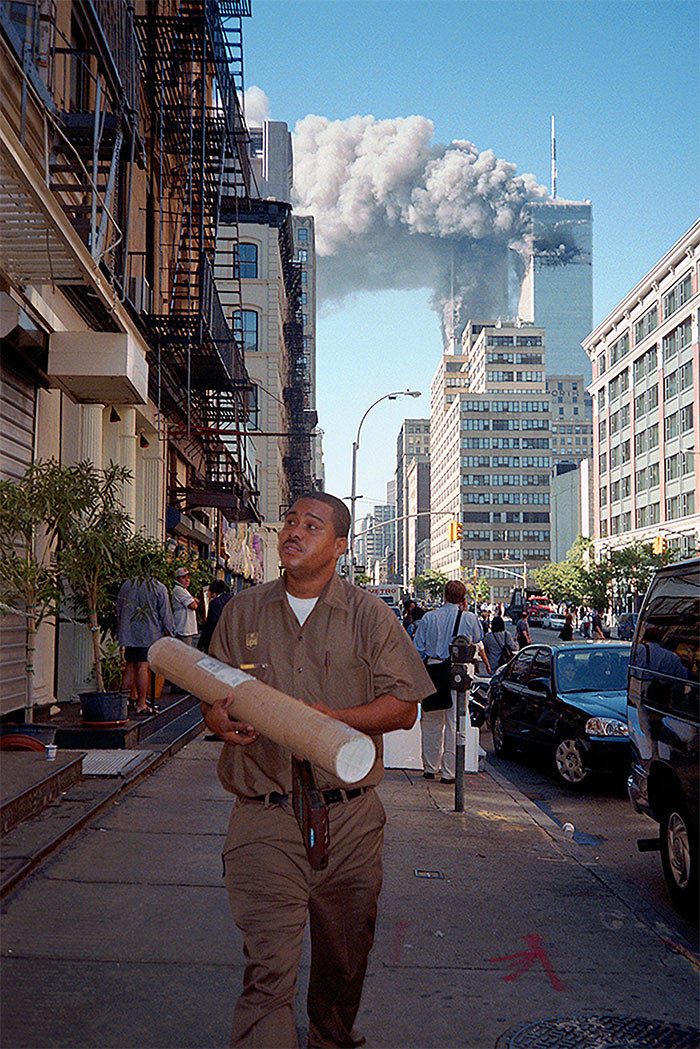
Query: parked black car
568, 700
663, 717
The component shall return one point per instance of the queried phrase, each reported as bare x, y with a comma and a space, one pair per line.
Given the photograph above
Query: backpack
506, 655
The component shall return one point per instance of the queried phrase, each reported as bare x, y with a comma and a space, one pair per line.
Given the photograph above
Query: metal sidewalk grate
113, 762
600, 1032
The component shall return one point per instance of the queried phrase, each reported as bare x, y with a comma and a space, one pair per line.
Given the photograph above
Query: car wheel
568, 763
679, 856
501, 743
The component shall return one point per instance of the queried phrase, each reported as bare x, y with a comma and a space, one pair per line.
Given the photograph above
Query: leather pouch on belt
311, 814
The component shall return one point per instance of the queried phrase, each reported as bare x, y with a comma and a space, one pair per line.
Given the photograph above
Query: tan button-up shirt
350, 650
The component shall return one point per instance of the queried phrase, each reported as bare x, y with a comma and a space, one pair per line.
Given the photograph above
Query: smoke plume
393, 209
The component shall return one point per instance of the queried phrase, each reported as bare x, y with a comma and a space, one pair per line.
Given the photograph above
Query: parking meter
462, 653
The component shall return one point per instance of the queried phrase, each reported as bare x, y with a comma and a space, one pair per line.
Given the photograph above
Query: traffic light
454, 531
659, 545
458, 531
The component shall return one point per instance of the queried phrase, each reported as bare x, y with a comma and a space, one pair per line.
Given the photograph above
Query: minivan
663, 716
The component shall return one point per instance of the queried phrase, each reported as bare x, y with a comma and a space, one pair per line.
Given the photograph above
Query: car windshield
592, 670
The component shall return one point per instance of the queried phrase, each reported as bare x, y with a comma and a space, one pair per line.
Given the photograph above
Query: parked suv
663, 716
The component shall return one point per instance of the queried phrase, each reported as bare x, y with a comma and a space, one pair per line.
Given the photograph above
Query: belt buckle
332, 796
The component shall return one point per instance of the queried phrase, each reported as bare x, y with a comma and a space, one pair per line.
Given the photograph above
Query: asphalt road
604, 823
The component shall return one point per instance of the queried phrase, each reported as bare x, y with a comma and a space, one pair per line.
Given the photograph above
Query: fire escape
297, 459
81, 75
197, 369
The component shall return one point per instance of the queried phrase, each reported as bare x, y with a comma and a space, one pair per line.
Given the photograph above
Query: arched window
245, 325
245, 258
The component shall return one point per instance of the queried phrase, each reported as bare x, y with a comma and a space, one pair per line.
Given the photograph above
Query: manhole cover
599, 1032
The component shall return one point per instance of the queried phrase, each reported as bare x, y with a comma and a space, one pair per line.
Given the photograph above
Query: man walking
522, 630
143, 616
432, 639
342, 651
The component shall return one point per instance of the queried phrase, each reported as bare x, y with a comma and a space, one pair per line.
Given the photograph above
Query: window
245, 322
677, 339
686, 421
302, 254
302, 234
677, 296
619, 348
671, 426
245, 258
646, 324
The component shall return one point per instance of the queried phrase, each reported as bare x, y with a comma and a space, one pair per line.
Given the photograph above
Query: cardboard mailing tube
333, 746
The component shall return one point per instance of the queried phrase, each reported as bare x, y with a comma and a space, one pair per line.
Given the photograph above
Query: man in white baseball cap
184, 608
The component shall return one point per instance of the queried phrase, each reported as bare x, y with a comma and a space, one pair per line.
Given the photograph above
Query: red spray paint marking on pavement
400, 930
521, 962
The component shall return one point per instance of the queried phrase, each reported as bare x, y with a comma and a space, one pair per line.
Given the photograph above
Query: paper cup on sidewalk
51, 751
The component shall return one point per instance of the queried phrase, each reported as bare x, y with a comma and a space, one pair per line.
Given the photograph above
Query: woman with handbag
499, 645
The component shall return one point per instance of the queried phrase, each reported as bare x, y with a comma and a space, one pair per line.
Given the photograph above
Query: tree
33, 510
480, 592
431, 583
96, 552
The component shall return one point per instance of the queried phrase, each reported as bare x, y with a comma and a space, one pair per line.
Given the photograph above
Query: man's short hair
218, 586
455, 592
341, 514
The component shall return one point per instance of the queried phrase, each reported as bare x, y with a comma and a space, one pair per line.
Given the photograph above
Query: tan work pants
272, 890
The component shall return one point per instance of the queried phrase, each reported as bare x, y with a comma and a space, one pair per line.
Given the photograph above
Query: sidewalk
124, 938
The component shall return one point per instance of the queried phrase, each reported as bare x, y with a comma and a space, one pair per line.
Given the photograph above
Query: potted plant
33, 509
95, 557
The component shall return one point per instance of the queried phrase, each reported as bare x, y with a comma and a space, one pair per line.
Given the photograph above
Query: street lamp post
353, 490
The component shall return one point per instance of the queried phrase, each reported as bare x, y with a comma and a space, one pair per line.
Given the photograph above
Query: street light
353, 492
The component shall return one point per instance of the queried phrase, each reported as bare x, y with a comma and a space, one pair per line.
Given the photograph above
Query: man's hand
383, 714
217, 721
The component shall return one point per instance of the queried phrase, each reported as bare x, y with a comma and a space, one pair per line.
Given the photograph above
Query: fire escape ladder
202, 371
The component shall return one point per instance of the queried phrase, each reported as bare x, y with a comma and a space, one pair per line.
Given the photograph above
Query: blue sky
622, 81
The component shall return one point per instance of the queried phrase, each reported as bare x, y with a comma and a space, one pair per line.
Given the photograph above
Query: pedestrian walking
340, 649
184, 608
143, 616
586, 624
597, 626
498, 645
522, 630
416, 615
432, 639
567, 631
219, 595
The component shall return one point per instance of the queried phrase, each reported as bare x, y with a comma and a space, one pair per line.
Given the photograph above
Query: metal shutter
17, 413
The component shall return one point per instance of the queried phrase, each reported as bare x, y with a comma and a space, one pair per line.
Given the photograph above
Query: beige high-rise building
490, 454
572, 419
646, 396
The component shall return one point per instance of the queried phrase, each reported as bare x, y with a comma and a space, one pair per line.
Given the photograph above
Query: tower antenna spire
554, 161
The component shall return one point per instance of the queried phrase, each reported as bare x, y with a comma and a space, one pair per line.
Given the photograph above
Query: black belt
331, 797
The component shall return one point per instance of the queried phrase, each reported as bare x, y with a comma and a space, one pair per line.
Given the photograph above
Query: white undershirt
301, 606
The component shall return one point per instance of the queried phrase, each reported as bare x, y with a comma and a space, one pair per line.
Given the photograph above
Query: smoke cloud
257, 106
395, 210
